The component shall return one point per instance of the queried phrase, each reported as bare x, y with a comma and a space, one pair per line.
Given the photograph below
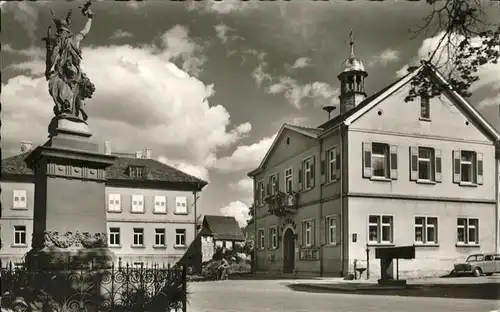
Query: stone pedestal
69, 224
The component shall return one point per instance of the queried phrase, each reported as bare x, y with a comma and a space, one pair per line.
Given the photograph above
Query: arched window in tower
350, 80
358, 83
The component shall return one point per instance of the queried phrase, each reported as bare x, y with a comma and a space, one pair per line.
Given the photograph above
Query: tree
251, 213
468, 42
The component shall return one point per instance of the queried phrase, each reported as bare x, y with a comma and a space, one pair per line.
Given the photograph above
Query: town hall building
382, 173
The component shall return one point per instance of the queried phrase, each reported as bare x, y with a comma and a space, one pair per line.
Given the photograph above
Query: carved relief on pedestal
77, 172
75, 239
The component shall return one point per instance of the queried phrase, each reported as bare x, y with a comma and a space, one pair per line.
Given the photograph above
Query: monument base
54, 258
66, 124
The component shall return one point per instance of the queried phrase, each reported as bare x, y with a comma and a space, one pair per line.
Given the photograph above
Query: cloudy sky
207, 85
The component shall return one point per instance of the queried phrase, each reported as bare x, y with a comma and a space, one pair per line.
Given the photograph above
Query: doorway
288, 251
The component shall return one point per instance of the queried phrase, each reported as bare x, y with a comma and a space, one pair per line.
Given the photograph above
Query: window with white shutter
20, 200
467, 167
160, 204
181, 205
114, 203
425, 164
138, 203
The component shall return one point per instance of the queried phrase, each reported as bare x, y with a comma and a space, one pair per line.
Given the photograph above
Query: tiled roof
155, 170
337, 120
313, 131
222, 228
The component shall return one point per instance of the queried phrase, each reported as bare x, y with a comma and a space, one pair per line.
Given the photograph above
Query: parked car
479, 264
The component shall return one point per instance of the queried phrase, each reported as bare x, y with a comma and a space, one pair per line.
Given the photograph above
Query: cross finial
351, 41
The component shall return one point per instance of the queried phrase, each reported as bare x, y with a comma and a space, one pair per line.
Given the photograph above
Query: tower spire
351, 42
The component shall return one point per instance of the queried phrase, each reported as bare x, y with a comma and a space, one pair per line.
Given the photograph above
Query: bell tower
352, 81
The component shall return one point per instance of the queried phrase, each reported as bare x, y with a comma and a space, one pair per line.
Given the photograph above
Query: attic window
136, 171
425, 109
288, 141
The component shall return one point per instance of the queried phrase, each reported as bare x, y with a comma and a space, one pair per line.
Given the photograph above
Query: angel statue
68, 85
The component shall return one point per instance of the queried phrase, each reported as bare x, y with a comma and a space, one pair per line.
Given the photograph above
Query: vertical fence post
184, 288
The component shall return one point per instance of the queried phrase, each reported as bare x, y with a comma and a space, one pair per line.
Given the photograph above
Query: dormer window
425, 109
136, 171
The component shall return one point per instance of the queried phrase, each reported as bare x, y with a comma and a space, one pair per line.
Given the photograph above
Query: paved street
267, 295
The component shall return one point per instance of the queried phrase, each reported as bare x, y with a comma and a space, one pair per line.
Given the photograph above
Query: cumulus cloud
488, 74
245, 157
387, 56
222, 30
25, 14
244, 185
222, 7
198, 171
301, 62
119, 33
141, 101
238, 210
178, 45
319, 93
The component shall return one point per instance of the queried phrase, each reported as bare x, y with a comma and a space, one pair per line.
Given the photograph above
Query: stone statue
68, 85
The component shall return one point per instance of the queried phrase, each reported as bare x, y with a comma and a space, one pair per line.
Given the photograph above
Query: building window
138, 237
288, 180
380, 229
114, 202
114, 237
261, 238
20, 199
468, 231
160, 204
160, 237
308, 173
136, 171
274, 184
260, 199
181, 205
138, 203
180, 237
331, 223
467, 166
380, 160
274, 237
425, 108
426, 229
332, 164
307, 238
425, 163
20, 235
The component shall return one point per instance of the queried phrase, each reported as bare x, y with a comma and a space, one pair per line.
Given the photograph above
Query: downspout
497, 205
341, 200
255, 238
321, 246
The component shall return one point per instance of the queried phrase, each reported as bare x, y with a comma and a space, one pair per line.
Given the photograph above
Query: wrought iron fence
119, 288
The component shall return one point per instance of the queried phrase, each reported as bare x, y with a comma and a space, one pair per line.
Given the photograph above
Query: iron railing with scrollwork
122, 288
281, 203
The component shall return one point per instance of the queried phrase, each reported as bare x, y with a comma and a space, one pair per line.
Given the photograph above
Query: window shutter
394, 162
277, 182
337, 164
367, 159
278, 237
323, 232
438, 165
299, 184
338, 230
270, 238
313, 232
413, 163
268, 189
323, 170
300, 233
313, 170
479, 157
457, 167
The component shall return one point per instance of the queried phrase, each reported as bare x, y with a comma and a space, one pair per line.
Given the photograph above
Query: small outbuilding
219, 231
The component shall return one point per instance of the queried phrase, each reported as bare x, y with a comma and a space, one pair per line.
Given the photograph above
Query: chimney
26, 146
107, 147
138, 154
149, 153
